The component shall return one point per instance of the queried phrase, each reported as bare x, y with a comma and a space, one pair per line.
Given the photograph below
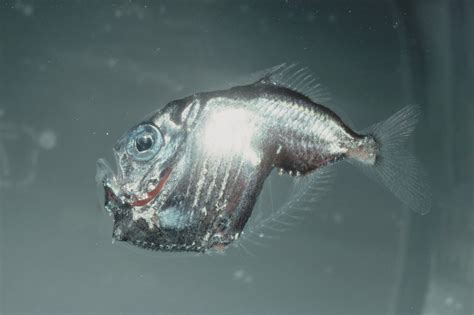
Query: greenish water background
85, 71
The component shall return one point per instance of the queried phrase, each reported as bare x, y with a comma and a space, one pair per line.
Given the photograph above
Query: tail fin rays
397, 168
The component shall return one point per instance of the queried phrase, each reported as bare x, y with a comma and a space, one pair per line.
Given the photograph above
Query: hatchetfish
190, 173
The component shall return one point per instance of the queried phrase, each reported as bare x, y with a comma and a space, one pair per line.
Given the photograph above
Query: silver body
219, 147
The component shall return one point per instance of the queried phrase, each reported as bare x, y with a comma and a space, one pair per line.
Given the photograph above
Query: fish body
189, 174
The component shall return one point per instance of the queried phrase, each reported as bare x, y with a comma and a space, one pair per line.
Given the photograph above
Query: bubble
112, 62
458, 306
47, 139
338, 218
28, 9
163, 10
244, 8
239, 274
449, 300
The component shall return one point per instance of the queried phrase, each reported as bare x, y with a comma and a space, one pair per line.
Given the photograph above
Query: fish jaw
154, 192
115, 195
106, 177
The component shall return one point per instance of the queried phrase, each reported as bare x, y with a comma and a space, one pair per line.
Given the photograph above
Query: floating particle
163, 10
47, 139
244, 8
449, 300
458, 306
338, 218
239, 274
112, 62
28, 9
243, 276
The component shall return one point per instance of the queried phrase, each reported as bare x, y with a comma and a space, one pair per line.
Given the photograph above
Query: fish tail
383, 154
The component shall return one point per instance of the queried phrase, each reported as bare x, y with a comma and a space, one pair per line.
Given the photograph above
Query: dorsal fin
300, 79
296, 78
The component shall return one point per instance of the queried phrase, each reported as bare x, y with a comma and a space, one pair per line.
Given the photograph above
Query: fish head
147, 157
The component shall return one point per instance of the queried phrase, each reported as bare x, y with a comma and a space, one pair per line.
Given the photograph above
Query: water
74, 75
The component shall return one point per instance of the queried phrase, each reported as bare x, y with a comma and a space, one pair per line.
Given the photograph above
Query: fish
189, 174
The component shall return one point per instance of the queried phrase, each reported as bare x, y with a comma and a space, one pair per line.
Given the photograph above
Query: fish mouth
106, 177
154, 192
115, 197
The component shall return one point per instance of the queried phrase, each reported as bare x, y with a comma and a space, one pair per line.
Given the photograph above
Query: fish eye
144, 143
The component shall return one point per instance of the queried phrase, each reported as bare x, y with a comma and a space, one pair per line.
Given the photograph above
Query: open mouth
106, 177
114, 197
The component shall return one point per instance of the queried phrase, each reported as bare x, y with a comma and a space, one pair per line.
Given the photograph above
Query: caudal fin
397, 168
